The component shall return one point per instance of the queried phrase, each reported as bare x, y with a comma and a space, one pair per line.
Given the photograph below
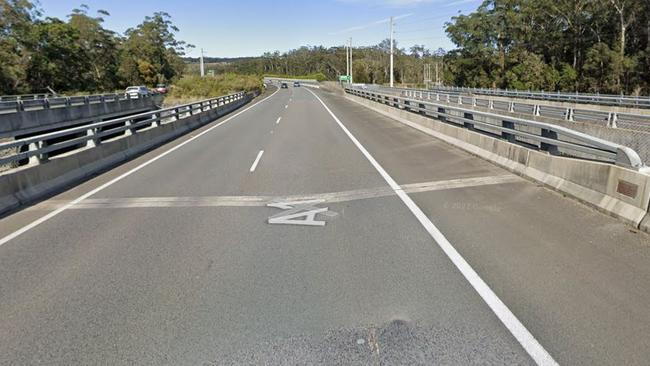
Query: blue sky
251, 27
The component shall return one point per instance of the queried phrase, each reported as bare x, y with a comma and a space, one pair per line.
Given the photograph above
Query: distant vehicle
137, 91
161, 88
284, 86
296, 84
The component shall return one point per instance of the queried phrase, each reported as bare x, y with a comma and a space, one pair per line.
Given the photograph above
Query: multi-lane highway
306, 229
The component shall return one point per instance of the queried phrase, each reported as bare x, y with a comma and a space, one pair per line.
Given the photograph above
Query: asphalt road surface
306, 229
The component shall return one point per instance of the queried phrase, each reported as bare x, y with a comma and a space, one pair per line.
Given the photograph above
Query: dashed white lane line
257, 160
286, 106
278, 121
50, 215
516, 328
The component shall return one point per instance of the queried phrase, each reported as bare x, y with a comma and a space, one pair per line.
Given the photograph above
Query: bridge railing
601, 99
38, 149
548, 137
13, 98
21, 104
604, 118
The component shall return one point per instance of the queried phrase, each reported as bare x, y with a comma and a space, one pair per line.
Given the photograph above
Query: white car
137, 91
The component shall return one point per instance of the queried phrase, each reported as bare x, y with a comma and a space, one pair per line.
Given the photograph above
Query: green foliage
370, 63
80, 54
568, 45
196, 87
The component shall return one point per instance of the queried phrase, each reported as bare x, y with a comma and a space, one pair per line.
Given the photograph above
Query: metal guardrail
38, 149
612, 119
12, 98
601, 99
20, 105
545, 136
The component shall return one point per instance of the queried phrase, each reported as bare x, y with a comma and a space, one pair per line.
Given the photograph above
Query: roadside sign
345, 78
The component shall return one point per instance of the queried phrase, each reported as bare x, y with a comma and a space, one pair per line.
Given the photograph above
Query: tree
151, 54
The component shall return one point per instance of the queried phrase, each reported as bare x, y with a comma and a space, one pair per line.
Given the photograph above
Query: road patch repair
282, 202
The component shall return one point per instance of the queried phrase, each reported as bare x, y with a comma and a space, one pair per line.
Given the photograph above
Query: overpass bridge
321, 226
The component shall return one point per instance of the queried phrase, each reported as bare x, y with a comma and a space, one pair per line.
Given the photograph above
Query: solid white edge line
278, 121
257, 160
50, 215
516, 328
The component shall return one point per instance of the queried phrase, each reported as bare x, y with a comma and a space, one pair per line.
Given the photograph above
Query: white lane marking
257, 160
290, 99
286, 106
278, 121
261, 201
50, 215
516, 328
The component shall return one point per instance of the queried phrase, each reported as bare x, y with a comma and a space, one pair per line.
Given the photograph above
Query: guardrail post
511, 107
544, 146
396, 103
86, 100
569, 114
93, 141
536, 110
491, 104
20, 107
460, 100
437, 97
507, 135
156, 119
448, 98
46, 103
473, 101
128, 131
37, 158
612, 120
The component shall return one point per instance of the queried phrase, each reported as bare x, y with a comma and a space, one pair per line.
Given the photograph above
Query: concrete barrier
32, 182
618, 191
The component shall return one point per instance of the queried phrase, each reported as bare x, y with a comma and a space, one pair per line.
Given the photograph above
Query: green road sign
344, 78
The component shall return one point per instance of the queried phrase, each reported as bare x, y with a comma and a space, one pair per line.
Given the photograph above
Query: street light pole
351, 65
202, 70
391, 51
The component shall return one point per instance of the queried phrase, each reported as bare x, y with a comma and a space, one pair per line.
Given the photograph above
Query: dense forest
79, 54
570, 45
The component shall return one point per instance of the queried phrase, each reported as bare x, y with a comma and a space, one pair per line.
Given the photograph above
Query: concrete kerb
32, 182
620, 192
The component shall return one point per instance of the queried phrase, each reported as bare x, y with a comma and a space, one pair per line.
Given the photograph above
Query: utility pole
202, 70
351, 65
391, 51
347, 60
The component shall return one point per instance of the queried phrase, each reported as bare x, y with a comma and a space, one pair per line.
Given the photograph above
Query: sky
252, 27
